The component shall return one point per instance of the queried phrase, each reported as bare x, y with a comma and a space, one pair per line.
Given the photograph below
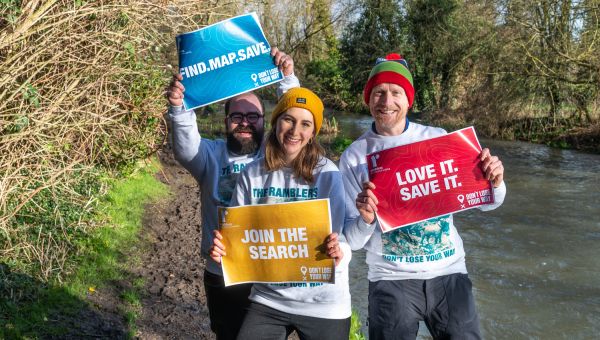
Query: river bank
167, 267
143, 278
559, 132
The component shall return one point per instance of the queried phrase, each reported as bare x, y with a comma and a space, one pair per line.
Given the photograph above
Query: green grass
122, 209
102, 259
340, 144
355, 324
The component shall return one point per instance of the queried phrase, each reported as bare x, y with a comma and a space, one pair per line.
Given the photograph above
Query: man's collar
374, 129
255, 153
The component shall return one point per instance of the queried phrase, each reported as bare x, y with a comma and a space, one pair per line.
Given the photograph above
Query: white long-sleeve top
213, 166
420, 251
256, 185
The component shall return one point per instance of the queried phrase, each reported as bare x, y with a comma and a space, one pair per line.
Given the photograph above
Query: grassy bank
355, 325
564, 131
44, 309
80, 102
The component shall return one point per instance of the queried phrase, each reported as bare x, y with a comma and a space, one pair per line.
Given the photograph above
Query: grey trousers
445, 303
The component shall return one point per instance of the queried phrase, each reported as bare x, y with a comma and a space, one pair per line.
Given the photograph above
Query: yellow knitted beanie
302, 98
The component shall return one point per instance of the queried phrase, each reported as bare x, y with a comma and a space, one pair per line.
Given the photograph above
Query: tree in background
555, 54
326, 77
587, 92
307, 31
448, 38
380, 29
303, 29
491, 63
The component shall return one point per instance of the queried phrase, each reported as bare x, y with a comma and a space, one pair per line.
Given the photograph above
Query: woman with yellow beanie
294, 168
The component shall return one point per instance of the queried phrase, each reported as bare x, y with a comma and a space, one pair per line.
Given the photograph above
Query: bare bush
80, 93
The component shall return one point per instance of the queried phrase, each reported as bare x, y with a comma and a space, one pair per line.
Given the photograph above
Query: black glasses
238, 117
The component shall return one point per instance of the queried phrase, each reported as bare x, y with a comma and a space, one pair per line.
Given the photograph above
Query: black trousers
266, 323
226, 305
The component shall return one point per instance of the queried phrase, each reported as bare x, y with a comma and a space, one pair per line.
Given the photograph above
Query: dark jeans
266, 323
226, 305
445, 303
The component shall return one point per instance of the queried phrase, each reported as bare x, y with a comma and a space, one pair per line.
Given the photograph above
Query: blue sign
225, 59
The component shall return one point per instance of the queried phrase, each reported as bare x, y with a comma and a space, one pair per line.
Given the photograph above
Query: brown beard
244, 146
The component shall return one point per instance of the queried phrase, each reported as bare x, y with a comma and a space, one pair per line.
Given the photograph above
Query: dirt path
175, 305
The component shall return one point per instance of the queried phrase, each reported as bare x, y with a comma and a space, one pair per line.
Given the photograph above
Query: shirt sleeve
187, 143
345, 247
356, 231
287, 83
499, 195
337, 210
336, 203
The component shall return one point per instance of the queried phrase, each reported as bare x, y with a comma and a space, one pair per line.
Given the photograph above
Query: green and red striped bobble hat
391, 69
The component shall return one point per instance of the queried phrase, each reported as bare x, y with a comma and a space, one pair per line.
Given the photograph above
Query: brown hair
303, 165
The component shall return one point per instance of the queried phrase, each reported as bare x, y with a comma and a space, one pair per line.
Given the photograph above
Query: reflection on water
535, 261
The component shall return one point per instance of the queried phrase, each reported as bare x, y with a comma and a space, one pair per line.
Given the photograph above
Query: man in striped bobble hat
391, 69
418, 272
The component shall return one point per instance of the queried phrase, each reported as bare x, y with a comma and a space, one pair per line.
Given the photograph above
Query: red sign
427, 179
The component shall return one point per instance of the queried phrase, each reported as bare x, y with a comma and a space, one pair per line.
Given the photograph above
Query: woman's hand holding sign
333, 248
366, 203
218, 248
492, 167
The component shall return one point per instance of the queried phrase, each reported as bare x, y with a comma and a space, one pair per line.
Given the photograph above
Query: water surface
534, 262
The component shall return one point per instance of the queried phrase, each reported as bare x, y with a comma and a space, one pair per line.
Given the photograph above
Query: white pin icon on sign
303, 270
254, 77
460, 198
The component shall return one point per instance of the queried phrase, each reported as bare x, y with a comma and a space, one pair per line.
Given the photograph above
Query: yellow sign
283, 242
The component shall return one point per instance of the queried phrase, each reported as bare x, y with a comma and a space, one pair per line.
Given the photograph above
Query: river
534, 262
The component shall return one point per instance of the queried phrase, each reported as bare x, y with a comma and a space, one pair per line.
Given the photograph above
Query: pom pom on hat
303, 98
391, 69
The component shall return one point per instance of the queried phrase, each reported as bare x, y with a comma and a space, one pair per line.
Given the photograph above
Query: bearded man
215, 164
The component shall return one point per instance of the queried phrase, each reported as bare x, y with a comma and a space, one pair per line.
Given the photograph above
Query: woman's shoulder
325, 164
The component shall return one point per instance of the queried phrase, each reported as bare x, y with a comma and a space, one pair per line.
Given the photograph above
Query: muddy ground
174, 305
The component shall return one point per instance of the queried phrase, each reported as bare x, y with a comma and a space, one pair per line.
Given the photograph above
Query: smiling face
295, 128
244, 124
388, 105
